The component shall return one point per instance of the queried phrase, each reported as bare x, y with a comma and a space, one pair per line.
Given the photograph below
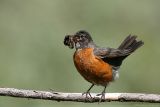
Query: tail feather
130, 44
127, 42
136, 45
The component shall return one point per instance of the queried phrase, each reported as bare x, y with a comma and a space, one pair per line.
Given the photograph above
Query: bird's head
79, 40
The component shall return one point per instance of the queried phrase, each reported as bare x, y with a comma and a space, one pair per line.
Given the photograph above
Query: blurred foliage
32, 54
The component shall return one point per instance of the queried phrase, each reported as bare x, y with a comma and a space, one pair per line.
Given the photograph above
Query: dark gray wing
110, 52
116, 56
111, 55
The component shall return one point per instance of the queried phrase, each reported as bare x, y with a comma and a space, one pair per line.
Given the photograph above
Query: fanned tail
127, 47
130, 44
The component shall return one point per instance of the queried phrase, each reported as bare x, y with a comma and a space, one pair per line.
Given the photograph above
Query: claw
88, 96
102, 95
87, 93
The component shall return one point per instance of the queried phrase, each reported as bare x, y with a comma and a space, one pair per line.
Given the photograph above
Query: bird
99, 65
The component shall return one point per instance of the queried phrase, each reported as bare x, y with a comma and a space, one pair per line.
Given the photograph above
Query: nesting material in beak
68, 41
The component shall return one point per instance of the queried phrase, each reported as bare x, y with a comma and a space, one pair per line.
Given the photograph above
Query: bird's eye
82, 36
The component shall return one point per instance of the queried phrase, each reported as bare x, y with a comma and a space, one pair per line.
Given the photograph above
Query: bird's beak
68, 41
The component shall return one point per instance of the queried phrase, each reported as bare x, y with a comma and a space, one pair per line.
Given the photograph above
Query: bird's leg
102, 94
88, 92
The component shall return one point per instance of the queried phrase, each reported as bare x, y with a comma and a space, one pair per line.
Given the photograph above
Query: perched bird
99, 65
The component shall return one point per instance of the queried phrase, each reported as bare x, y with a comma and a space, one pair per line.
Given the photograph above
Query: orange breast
91, 67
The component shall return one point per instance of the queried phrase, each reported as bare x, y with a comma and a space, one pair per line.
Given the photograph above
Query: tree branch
77, 97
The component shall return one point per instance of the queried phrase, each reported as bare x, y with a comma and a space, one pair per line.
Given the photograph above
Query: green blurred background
32, 54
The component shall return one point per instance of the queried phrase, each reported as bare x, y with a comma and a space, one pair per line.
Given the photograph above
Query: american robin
99, 65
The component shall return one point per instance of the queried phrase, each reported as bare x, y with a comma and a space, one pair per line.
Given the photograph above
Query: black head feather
84, 34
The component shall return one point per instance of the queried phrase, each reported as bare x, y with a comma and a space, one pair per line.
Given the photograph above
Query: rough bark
77, 97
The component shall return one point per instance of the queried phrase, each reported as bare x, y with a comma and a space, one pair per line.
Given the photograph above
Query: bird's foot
88, 95
102, 97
